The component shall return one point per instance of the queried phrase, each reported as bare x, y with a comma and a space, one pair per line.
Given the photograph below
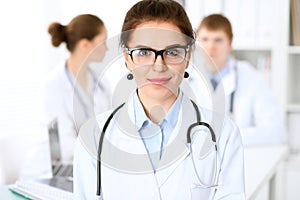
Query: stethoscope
189, 143
232, 95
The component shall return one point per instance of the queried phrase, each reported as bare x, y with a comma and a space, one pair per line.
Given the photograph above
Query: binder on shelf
265, 22
295, 22
293, 130
264, 67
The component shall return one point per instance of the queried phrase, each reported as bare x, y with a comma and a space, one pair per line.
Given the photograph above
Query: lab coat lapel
177, 151
126, 148
229, 81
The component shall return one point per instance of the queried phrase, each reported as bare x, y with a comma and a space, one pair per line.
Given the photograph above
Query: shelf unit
293, 87
293, 97
260, 58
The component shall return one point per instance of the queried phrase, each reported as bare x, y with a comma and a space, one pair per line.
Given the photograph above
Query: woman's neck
78, 70
156, 109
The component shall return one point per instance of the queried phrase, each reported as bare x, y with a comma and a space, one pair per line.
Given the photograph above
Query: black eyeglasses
148, 56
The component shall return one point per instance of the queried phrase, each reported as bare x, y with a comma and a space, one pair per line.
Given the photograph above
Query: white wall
22, 60
27, 54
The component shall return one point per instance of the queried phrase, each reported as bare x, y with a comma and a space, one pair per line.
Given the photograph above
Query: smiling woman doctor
159, 144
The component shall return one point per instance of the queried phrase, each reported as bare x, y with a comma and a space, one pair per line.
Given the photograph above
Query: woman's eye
172, 52
143, 52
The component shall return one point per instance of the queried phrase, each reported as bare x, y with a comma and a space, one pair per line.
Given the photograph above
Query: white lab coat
61, 102
255, 109
175, 179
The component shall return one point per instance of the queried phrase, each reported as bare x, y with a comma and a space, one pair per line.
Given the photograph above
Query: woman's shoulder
56, 82
215, 115
90, 132
223, 126
103, 117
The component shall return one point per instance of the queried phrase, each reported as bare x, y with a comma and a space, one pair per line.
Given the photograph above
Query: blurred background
265, 33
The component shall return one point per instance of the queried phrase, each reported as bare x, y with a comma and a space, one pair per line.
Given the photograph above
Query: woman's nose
159, 64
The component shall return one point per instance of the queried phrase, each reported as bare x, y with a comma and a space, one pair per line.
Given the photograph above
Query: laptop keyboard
35, 190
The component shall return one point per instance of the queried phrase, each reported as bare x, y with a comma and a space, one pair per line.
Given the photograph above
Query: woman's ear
187, 64
85, 44
188, 57
127, 58
125, 55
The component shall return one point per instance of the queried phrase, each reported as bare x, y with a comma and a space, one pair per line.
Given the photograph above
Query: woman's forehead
156, 35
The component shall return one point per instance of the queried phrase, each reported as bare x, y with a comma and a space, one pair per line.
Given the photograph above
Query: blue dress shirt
156, 136
217, 77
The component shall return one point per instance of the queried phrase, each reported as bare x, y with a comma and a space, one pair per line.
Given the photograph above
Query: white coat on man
254, 107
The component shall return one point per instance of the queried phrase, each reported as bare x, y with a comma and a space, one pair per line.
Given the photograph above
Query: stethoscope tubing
100, 148
232, 96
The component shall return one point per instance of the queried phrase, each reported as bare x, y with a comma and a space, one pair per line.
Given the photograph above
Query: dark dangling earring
130, 76
186, 75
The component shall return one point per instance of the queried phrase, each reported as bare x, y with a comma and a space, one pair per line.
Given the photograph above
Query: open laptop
58, 168
60, 186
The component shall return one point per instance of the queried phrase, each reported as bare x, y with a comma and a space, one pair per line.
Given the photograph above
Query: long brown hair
84, 26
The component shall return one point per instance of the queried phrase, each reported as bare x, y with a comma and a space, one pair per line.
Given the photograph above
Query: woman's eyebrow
175, 45
141, 46
167, 47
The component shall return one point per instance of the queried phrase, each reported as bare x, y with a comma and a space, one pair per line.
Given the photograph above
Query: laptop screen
54, 142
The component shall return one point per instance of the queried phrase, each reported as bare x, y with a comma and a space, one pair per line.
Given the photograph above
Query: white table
264, 165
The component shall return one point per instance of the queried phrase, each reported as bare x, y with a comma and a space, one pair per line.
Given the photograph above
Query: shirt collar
225, 70
172, 115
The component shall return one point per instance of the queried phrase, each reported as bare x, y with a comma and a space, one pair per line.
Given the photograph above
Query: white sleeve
231, 174
84, 173
36, 161
67, 135
58, 105
268, 125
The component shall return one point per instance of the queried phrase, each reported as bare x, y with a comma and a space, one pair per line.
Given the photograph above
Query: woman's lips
159, 81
